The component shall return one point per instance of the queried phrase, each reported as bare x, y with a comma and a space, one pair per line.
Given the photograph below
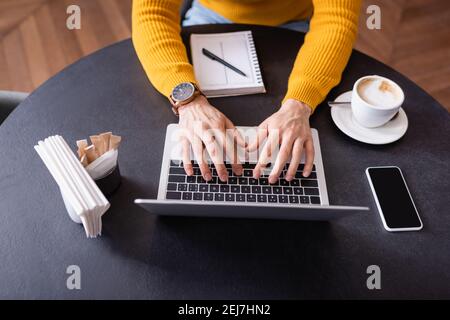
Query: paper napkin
84, 201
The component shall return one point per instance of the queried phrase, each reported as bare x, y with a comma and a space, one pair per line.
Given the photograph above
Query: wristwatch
182, 94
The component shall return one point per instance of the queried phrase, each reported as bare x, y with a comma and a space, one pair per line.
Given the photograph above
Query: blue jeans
198, 14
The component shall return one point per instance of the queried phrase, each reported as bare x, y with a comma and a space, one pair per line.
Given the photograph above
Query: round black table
142, 256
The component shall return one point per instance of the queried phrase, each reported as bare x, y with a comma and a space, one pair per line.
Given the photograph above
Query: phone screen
393, 197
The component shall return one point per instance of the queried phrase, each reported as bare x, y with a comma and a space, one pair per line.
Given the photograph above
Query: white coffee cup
375, 100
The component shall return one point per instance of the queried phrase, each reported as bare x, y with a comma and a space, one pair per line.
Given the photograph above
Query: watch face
183, 91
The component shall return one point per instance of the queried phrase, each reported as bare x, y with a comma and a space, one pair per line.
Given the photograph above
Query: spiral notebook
236, 48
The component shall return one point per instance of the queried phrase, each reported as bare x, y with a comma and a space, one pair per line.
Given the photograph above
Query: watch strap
178, 104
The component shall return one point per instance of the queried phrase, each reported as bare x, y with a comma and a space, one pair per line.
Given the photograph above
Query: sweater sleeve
325, 52
157, 41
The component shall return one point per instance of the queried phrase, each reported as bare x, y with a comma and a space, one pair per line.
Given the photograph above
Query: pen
212, 56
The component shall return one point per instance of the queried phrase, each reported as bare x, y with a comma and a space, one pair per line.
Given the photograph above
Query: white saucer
390, 132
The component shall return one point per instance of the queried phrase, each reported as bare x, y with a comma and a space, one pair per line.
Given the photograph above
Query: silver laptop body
241, 197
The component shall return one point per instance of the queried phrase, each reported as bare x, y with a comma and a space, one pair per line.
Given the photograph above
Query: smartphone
395, 204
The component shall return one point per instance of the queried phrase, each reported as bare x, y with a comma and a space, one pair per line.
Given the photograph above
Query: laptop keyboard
241, 189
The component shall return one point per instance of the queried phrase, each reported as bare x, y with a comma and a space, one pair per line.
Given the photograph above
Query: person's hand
206, 127
288, 127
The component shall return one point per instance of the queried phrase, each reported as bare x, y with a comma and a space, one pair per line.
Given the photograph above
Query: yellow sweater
317, 68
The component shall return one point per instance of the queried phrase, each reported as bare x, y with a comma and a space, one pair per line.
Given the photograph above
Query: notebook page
235, 48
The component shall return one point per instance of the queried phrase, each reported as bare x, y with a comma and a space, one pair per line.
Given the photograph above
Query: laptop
241, 196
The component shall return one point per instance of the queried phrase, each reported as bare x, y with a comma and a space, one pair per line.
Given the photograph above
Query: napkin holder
107, 184
110, 182
83, 199
106, 174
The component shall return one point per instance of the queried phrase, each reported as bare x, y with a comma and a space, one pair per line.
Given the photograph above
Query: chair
9, 100
185, 6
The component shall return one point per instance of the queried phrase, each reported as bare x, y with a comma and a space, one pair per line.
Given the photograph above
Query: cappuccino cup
375, 100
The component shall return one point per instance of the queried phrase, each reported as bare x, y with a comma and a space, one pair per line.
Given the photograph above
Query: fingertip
251, 146
222, 174
241, 142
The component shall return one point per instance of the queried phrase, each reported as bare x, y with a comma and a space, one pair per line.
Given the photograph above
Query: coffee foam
378, 92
